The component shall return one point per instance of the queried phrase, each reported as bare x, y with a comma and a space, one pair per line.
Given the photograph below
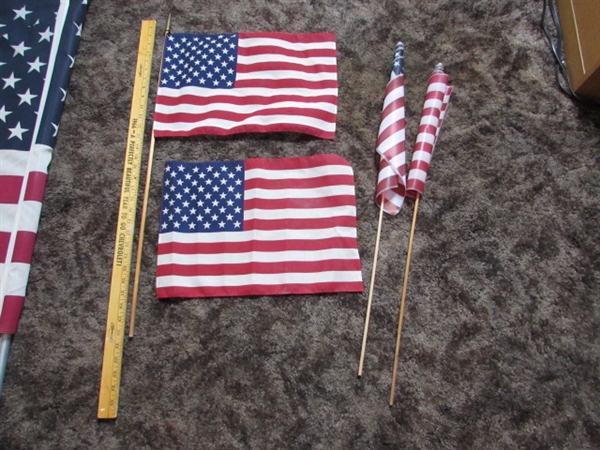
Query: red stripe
299, 203
275, 128
209, 99
217, 270
299, 183
10, 189
299, 224
255, 245
414, 187
301, 162
11, 312
4, 241
238, 117
286, 83
419, 164
281, 65
24, 244
260, 50
258, 289
306, 38
36, 185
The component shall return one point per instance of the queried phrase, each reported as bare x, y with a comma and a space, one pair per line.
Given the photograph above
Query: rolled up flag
432, 116
391, 182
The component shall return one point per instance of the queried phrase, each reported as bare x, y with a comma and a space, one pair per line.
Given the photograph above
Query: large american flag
248, 82
38, 41
391, 140
436, 103
258, 227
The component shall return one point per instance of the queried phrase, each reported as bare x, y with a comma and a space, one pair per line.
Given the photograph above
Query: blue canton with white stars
27, 32
201, 60
203, 197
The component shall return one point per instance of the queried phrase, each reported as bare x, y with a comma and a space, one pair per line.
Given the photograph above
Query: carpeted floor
500, 348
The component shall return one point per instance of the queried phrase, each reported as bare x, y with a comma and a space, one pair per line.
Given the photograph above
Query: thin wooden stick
140, 247
403, 299
370, 299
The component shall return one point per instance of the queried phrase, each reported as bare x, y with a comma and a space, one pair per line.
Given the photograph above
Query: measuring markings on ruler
119, 286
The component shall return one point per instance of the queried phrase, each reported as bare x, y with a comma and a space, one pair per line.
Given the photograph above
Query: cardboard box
580, 25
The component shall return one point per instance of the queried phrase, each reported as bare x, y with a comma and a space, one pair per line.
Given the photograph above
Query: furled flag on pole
258, 227
247, 82
391, 182
435, 105
38, 41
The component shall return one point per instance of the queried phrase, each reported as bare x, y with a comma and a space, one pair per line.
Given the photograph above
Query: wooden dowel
370, 298
140, 247
403, 300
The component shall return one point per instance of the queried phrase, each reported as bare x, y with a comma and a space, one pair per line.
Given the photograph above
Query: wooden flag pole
370, 298
403, 299
138, 260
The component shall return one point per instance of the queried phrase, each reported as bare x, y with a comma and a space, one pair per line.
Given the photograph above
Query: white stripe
299, 46
298, 193
434, 103
286, 174
28, 213
421, 155
393, 95
245, 92
242, 109
394, 116
255, 120
279, 58
437, 86
260, 279
15, 162
417, 174
219, 259
425, 137
15, 282
312, 213
256, 235
391, 141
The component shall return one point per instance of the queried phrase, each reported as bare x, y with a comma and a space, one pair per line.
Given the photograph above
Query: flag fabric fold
391, 182
38, 41
258, 227
435, 105
247, 82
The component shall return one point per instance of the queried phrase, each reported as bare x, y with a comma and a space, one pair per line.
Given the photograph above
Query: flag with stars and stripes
391, 140
38, 41
258, 227
248, 82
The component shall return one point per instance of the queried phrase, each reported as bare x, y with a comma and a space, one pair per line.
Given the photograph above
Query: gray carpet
500, 348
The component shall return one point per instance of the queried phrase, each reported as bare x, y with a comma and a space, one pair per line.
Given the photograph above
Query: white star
36, 65
10, 81
4, 113
46, 35
26, 97
72, 61
21, 13
78, 29
17, 131
55, 130
20, 49
65, 96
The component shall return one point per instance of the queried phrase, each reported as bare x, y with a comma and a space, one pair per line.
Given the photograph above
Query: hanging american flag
436, 103
391, 182
258, 227
248, 82
38, 41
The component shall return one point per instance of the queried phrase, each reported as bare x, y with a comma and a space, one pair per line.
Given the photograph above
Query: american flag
391, 182
248, 82
38, 41
436, 103
258, 227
